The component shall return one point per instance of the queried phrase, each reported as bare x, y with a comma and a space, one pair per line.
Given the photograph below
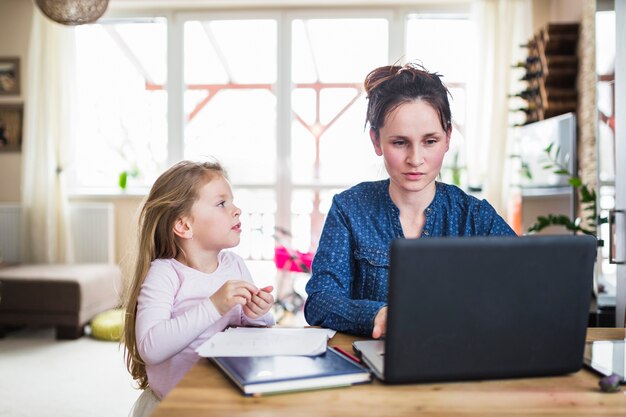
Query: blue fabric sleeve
491, 223
329, 301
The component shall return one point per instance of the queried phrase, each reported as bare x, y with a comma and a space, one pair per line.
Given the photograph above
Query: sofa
66, 296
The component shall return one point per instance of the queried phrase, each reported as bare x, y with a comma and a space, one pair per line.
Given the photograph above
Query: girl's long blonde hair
170, 198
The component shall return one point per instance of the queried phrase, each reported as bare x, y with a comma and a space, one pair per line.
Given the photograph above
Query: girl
186, 287
410, 127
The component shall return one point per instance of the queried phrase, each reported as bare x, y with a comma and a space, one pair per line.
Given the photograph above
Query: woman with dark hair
410, 126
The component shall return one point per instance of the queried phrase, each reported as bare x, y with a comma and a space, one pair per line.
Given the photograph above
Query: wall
566, 10
15, 22
620, 157
583, 12
15, 26
126, 216
556, 11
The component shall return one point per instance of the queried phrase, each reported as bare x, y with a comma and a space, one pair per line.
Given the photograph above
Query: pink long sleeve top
175, 316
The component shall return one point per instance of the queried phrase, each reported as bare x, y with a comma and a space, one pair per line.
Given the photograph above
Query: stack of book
262, 375
264, 361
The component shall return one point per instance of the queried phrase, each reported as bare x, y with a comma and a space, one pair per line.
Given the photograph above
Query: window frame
176, 18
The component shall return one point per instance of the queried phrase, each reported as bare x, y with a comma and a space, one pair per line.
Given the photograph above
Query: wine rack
550, 71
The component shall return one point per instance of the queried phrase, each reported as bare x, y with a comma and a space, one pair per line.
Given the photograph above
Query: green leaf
587, 199
123, 178
575, 182
585, 195
553, 220
593, 194
525, 171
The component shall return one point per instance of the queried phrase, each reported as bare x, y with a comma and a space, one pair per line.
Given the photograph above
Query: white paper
287, 330
271, 341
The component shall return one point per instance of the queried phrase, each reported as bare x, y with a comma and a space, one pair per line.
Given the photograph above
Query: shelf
551, 72
546, 191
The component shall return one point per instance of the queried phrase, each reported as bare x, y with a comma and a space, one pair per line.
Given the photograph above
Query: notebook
261, 375
484, 307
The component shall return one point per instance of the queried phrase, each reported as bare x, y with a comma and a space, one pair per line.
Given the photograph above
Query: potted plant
589, 210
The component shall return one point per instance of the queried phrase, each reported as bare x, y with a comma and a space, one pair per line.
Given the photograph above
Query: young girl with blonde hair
185, 287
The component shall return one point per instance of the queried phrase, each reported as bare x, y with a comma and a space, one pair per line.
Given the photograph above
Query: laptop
468, 308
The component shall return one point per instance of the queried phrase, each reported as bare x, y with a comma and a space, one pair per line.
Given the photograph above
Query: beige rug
41, 376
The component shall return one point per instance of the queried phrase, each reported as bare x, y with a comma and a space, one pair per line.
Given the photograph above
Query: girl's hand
380, 323
232, 293
260, 303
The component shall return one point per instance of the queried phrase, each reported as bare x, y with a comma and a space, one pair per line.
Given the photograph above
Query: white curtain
503, 25
47, 140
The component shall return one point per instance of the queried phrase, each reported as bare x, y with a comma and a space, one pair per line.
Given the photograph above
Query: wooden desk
204, 391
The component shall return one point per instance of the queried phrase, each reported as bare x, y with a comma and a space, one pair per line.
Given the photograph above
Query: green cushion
108, 325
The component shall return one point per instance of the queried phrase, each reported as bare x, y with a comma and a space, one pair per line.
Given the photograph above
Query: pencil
347, 354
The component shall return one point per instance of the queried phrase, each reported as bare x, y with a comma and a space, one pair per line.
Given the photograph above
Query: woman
410, 127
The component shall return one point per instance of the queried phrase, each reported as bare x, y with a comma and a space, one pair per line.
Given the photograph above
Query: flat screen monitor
546, 192
536, 137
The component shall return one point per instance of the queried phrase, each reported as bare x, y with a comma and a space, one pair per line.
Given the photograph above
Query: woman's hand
260, 303
230, 294
380, 323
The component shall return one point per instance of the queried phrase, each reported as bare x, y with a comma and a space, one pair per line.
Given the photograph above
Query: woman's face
412, 144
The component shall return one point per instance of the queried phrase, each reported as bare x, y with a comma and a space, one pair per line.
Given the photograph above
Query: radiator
10, 236
91, 226
93, 233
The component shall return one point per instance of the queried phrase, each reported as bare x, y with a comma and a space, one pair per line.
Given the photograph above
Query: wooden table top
205, 391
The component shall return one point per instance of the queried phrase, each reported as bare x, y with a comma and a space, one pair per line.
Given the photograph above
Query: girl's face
214, 219
412, 144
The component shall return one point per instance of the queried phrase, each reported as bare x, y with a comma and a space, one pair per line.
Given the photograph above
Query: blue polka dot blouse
348, 284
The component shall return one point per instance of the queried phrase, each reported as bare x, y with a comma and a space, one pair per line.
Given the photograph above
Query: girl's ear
376, 142
182, 228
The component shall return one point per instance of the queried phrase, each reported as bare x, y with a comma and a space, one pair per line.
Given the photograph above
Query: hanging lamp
73, 12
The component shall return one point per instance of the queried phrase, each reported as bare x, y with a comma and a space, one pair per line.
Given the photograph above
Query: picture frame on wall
9, 76
11, 116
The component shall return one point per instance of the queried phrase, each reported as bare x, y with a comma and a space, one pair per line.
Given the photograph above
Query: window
122, 115
330, 58
230, 105
440, 42
277, 97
